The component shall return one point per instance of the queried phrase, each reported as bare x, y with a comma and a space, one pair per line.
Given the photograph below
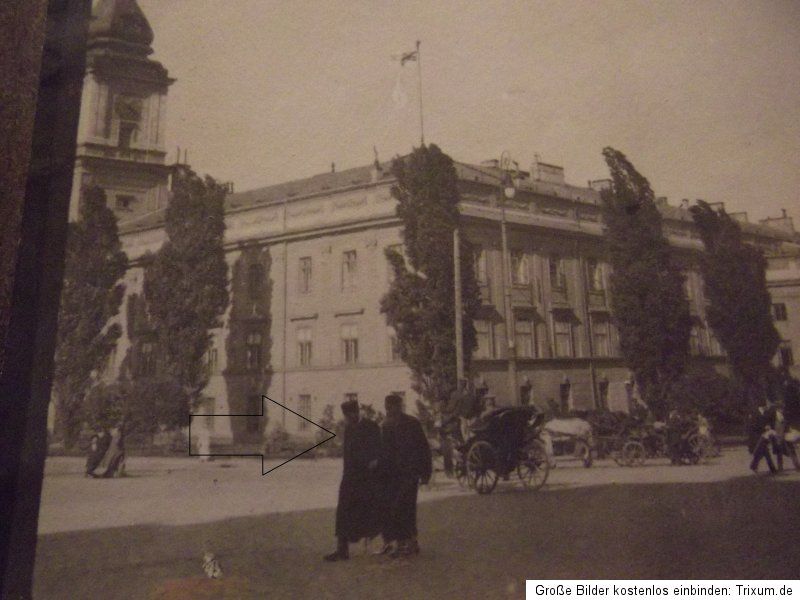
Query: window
524, 338
688, 288
125, 201
520, 273
304, 346
349, 344
304, 281
697, 343
255, 281
253, 351
147, 359
483, 331
594, 275
304, 408
480, 265
779, 312
253, 410
211, 360
600, 336
394, 348
349, 269
602, 395
127, 133
786, 354
563, 337
558, 275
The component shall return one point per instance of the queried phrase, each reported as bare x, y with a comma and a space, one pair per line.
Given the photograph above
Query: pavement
183, 490
144, 536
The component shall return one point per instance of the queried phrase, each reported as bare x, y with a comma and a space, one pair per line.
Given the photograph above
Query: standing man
358, 512
761, 432
407, 463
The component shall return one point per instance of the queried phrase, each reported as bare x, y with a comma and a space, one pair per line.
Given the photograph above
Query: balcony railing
559, 297
597, 299
522, 294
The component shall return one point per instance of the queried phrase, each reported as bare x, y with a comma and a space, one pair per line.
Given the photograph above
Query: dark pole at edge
30, 340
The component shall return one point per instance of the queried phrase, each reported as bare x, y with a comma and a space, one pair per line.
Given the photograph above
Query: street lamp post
509, 190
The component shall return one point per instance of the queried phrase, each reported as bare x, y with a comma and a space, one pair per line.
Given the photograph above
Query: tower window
125, 201
127, 134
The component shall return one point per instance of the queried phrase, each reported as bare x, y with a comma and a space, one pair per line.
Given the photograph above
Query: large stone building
308, 269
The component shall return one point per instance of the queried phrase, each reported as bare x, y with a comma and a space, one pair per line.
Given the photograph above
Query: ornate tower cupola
123, 113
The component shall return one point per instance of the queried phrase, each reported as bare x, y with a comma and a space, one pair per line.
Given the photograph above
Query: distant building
308, 268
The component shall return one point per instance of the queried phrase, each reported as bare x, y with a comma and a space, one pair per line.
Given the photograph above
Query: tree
91, 296
185, 284
419, 303
647, 296
740, 309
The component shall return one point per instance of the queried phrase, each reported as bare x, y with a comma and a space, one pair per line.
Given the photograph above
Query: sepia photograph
413, 299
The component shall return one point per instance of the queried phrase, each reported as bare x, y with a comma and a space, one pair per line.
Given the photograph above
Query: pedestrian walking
359, 509
761, 433
406, 464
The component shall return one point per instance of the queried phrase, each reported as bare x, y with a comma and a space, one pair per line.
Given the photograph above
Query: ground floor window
304, 408
786, 354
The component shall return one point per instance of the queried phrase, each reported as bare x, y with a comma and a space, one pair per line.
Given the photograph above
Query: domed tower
123, 113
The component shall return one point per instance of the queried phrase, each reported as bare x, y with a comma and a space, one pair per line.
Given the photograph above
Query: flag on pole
409, 56
405, 57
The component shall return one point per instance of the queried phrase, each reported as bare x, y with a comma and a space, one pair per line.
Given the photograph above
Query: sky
703, 97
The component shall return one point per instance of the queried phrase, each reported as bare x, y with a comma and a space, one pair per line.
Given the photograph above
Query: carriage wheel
583, 451
633, 454
698, 447
533, 466
460, 470
482, 467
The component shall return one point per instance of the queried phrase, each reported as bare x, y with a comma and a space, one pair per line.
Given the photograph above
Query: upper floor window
479, 262
779, 312
304, 275
520, 274
558, 273
304, 346
524, 338
600, 336
349, 335
212, 360
253, 351
594, 275
483, 333
394, 348
688, 286
562, 332
255, 280
349, 269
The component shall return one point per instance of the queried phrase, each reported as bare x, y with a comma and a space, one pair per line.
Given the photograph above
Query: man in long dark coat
406, 464
359, 510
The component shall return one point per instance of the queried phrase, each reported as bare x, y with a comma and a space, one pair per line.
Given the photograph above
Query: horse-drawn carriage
504, 441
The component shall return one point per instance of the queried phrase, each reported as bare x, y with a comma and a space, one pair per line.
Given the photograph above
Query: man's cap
393, 400
350, 406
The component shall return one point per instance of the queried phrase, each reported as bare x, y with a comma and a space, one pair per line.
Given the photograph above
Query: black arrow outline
261, 414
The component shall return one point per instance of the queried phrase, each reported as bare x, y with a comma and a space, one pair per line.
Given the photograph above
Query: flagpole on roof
419, 76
